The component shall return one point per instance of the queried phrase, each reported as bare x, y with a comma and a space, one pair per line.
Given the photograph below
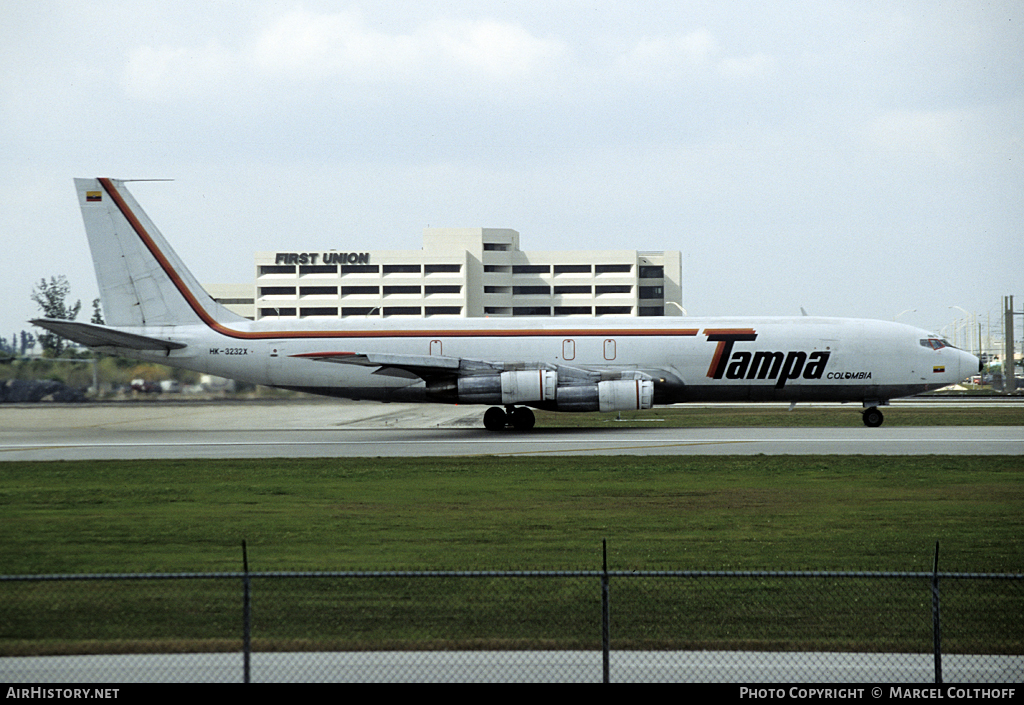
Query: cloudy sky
859, 158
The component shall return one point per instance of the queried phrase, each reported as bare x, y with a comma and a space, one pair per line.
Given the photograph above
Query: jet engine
505, 388
609, 395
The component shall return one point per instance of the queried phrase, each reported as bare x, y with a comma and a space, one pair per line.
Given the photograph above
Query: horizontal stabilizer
94, 336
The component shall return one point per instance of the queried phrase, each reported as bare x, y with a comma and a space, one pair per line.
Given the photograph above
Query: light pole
967, 329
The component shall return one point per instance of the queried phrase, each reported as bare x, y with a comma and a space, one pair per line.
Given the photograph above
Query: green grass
678, 513
725, 513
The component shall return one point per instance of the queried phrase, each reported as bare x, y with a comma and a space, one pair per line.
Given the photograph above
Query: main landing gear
520, 418
873, 417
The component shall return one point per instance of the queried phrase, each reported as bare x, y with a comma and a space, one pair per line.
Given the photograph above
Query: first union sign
325, 258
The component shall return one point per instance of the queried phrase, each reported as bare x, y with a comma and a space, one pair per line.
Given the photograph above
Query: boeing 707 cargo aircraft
156, 310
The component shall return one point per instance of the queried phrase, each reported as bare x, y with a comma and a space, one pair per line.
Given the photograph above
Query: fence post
605, 616
936, 624
246, 615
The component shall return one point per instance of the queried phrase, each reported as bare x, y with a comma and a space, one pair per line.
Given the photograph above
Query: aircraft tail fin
142, 281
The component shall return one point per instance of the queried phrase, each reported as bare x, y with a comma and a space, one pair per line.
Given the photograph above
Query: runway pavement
352, 429
519, 667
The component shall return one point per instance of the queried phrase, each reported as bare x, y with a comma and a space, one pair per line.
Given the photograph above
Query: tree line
52, 298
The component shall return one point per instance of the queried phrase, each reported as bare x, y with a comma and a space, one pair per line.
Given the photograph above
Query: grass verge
658, 513
725, 513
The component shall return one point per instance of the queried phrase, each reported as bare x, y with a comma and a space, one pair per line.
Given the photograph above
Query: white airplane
157, 311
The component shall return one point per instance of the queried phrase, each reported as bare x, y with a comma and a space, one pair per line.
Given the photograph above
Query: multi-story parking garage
466, 272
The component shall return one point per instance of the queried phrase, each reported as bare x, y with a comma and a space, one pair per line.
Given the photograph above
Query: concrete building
464, 272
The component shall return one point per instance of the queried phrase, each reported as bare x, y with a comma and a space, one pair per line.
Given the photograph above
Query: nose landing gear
520, 418
873, 417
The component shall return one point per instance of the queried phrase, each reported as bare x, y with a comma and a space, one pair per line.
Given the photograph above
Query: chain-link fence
581, 626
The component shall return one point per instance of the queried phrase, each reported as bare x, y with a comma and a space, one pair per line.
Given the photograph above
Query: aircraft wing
424, 366
94, 336
464, 380
433, 366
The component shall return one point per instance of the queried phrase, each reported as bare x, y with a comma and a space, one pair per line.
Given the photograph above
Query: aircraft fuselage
722, 359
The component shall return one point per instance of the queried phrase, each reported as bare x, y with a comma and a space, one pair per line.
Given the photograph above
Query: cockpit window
935, 343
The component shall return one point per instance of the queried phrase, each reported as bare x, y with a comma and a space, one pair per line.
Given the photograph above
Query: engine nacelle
580, 398
610, 395
512, 387
625, 394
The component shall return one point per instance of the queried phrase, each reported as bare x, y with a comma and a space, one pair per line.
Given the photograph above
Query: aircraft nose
969, 364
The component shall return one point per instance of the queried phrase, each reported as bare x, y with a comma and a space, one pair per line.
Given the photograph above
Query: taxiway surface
318, 429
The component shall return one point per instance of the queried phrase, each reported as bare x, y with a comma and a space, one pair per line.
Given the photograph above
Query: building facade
463, 272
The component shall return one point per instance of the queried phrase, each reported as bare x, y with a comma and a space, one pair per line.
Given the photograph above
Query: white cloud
695, 55
168, 74
495, 50
664, 58
305, 47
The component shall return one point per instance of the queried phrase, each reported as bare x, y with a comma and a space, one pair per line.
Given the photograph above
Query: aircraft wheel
523, 418
873, 417
495, 419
